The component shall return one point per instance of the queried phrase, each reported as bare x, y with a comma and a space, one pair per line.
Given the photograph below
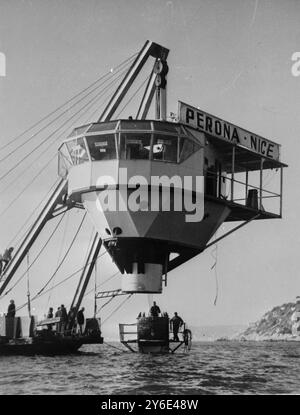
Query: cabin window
102, 147
187, 148
64, 161
165, 148
135, 146
78, 151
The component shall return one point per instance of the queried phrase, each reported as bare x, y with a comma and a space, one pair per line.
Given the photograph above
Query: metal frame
149, 49
54, 200
86, 274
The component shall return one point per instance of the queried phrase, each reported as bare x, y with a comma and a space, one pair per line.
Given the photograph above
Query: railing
243, 193
123, 333
180, 331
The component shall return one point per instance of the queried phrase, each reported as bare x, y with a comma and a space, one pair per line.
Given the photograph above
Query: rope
214, 254
59, 253
64, 104
105, 98
65, 255
46, 139
42, 170
66, 279
88, 107
57, 268
115, 347
107, 302
31, 214
28, 287
105, 281
135, 93
116, 309
37, 256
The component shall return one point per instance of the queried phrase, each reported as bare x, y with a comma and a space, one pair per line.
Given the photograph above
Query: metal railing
214, 186
123, 333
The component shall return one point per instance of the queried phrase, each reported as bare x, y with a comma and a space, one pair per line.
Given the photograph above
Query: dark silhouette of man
50, 315
154, 310
58, 314
175, 323
11, 311
80, 319
64, 317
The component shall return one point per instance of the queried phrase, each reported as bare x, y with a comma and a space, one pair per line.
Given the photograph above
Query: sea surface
209, 368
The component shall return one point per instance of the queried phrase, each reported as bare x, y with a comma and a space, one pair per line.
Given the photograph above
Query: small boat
26, 336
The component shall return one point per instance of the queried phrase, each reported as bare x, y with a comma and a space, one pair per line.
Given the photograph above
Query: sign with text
225, 130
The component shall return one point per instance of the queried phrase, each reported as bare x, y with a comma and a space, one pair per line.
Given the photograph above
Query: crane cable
28, 287
68, 278
52, 121
116, 309
27, 186
62, 244
134, 94
104, 282
37, 256
66, 103
35, 177
214, 255
43, 141
59, 265
88, 107
65, 255
31, 214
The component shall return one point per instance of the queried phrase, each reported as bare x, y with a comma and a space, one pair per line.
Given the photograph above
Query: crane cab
108, 163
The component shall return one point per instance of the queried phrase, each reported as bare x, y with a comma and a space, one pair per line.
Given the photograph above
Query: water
209, 368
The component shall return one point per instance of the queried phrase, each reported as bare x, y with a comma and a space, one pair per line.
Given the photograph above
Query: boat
45, 341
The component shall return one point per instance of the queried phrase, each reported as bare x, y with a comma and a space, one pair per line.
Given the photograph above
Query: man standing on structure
11, 311
58, 325
175, 323
80, 319
154, 310
64, 317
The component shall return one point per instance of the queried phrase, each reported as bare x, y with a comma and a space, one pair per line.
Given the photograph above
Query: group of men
175, 322
61, 312
67, 318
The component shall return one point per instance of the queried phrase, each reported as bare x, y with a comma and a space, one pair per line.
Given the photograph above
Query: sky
230, 58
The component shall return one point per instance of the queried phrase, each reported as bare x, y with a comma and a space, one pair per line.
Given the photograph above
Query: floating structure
157, 190
152, 335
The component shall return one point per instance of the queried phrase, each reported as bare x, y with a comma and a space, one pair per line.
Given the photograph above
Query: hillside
274, 325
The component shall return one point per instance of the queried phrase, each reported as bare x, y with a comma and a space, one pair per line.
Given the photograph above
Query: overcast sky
231, 58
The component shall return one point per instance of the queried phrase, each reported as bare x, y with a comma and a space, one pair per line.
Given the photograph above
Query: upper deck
234, 174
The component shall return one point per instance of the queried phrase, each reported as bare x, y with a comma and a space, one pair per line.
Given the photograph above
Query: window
165, 148
187, 148
102, 147
78, 151
64, 161
135, 146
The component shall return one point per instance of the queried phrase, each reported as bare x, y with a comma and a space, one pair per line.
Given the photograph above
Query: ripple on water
210, 368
